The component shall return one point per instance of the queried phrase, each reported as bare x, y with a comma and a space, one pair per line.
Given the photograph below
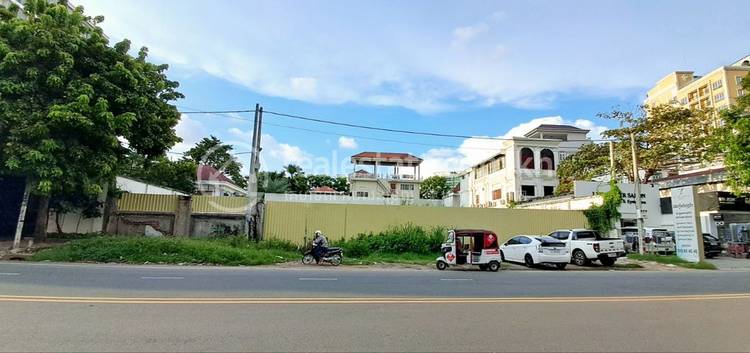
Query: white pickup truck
587, 245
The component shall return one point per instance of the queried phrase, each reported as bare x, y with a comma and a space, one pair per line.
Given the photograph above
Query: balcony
382, 176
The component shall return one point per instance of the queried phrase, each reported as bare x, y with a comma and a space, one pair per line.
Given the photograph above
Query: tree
179, 175
667, 138
67, 98
590, 161
434, 187
211, 151
341, 184
298, 182
736, 142
273, 182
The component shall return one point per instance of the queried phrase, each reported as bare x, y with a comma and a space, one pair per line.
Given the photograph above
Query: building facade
212, 182
718, 89
385, 175
526, 167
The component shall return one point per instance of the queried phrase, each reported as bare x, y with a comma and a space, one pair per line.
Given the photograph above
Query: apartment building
385, 174
525, 167
718, 89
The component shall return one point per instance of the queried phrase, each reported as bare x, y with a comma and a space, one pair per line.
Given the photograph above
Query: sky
474, 68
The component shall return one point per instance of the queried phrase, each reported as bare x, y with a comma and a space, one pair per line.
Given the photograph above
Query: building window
496, 164
716, 84
407, 186
547, 159
528, 190
363, 194
527, 158
497, 194
738, 79
549, 190
719, 96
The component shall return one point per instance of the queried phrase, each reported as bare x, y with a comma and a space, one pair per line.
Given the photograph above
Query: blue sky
479, 68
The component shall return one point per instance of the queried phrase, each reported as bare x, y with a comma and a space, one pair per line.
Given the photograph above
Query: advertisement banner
687, 227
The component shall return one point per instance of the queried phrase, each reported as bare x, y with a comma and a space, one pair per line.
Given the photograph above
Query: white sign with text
687, 227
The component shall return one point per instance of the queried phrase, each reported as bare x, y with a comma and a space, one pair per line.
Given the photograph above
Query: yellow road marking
355, 300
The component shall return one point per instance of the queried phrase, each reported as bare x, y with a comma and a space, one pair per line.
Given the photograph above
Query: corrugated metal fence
292, 221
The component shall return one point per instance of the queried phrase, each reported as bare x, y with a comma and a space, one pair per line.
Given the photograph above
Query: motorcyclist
320, 245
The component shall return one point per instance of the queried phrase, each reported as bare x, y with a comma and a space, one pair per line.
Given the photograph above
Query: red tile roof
209, 173
324, 190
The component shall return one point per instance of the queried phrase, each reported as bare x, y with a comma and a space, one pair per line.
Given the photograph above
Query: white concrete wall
345, 199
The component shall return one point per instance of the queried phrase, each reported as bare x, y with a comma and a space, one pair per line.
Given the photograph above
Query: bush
407, 238
138, 249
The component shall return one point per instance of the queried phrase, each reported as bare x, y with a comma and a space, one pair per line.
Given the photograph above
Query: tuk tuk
470, 247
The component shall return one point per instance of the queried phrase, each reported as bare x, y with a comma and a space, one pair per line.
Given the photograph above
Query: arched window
527, 158
547, 159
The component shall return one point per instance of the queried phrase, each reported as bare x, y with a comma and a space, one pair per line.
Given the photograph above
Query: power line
367, 127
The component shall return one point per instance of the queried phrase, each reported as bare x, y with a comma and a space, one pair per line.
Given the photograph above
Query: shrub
406, 238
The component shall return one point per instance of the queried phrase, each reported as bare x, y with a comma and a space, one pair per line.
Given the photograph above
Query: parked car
656, 240
535, 249
711, 246
587, 245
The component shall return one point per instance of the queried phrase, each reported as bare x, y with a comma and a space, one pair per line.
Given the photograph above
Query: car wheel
579, 258
441, 265
502, 257
561, 266
607, 261
494, 266
528, 260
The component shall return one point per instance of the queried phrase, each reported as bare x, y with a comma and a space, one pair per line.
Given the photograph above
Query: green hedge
407, 238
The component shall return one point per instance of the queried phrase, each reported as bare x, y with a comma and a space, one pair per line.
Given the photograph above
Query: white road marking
317, 279
162, 277
9, 274
456, 279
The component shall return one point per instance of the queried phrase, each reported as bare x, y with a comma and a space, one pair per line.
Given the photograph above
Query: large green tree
211, 151
736, 142
590, 161
435, 187
273, 182
176, 174
67, 99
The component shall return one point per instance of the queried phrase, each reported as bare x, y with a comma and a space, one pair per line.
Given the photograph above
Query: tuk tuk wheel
441, 265
494, 266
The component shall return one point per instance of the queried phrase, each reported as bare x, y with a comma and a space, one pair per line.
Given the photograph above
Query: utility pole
21, 216
612, 176
252, 183
637, 182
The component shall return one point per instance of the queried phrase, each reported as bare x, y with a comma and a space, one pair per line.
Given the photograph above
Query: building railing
373, 176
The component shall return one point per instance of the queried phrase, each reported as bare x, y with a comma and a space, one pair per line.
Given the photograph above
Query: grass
673, 260
390, 258
404, 239
231, 251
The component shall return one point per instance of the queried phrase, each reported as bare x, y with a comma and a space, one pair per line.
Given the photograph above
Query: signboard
687, 225
650, 203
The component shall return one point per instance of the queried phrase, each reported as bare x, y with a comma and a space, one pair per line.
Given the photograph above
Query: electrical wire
367, 127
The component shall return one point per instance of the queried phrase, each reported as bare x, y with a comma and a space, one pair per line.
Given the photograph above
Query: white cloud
474, 150
191, 131
274, 154
463, 35
348, 143
331, 54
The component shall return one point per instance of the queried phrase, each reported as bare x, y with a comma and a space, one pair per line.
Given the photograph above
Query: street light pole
637, 182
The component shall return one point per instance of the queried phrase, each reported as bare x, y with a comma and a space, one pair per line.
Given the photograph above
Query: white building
212, 182
525, 167
389, 175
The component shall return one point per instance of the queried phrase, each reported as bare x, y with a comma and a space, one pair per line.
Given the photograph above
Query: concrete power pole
21, 216
252, 183
612, 176
637, 182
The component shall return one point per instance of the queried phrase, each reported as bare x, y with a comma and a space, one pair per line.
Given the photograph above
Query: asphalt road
50, 307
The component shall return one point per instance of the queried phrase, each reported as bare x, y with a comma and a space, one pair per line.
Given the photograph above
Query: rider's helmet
318, 233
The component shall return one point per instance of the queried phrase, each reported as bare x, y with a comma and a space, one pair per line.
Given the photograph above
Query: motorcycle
334, 256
